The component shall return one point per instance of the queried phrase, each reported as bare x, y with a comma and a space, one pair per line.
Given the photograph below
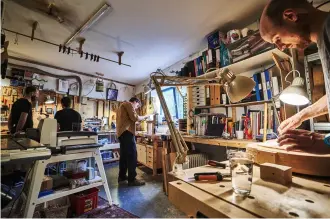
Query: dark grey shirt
323, 44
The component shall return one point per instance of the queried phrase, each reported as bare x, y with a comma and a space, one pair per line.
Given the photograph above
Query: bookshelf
234, 104
250, 65
247, 67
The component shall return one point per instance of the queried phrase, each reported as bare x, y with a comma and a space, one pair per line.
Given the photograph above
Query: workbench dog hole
178, 183
251, 197
222, 186
294, 214
310, 201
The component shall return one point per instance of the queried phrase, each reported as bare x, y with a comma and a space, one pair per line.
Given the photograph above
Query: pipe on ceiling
41, 72
91, 20
66, 69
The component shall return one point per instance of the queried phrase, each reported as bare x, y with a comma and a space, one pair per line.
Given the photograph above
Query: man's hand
303, 140
290, 123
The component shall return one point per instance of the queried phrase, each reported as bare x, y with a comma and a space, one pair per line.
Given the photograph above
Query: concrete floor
147, 201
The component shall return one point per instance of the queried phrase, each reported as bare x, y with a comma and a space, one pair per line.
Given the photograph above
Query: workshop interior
163, 109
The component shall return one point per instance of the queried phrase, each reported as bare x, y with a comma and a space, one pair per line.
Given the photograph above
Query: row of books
211, 58
252, 124
263, 89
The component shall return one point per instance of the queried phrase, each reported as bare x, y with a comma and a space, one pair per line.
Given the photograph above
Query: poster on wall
63, 85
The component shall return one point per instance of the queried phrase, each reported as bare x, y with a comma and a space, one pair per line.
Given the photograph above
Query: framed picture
49, 110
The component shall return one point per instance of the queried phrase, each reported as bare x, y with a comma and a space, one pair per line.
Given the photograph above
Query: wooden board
301, 162
306, 197
218, 141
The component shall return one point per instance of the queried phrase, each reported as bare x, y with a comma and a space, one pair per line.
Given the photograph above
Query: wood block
276, 173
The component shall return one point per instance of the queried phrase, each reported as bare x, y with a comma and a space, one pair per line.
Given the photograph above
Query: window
174, 101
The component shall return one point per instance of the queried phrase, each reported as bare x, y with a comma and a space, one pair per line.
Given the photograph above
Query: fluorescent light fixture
95, 17
296, 93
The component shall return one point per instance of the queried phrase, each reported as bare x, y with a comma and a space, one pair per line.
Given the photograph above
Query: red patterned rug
105, 211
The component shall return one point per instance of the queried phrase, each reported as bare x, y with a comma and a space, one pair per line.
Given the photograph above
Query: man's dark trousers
128, 156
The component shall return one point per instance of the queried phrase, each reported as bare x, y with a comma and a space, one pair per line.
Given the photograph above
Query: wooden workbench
306, 197
218, 141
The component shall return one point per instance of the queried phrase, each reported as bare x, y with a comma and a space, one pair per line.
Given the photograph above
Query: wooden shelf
219, 141
250, 65
235, 104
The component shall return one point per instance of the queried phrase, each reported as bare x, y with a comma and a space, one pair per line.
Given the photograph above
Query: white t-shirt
323, 45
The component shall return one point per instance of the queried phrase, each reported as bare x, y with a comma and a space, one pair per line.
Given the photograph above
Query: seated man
67, 116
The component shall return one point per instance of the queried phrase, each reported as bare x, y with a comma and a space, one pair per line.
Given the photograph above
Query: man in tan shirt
126, 119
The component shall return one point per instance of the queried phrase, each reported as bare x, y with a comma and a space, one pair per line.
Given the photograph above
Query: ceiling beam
65, 69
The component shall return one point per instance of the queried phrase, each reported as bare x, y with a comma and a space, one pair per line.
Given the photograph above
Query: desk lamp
295, 94
236, 87
49, 100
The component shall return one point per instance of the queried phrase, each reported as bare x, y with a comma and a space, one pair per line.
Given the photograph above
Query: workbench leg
100, 166
34, 187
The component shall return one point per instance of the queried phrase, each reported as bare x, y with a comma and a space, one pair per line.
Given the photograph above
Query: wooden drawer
198, 95
150, 164
150, 159
150, 150
198, 92
198, 88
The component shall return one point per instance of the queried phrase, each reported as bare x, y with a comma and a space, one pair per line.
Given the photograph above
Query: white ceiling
153, 33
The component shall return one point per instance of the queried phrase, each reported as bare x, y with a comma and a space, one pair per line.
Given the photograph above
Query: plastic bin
84, 201
57, 208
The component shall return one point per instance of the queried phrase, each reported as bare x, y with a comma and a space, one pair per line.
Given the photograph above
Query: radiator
195, 160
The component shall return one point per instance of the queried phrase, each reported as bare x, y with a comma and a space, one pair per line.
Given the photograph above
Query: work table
306, 197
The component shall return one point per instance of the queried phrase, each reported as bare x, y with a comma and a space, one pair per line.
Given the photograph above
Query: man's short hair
66, 101
276, 8
135, 99
29, 90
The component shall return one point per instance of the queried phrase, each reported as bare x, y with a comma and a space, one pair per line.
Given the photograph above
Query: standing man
296, 24
125, 121
20, 117
67, 116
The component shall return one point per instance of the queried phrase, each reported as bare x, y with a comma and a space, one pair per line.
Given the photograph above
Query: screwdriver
209, 176
216, 164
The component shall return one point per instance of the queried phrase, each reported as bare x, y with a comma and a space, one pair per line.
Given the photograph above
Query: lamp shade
49, 100
237, 87
295, 94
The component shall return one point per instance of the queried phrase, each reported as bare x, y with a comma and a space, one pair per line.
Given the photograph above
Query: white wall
124, 92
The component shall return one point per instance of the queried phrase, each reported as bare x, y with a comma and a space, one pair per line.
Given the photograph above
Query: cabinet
149, 156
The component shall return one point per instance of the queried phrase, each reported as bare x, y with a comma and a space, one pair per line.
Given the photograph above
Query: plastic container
57, 208
84, 201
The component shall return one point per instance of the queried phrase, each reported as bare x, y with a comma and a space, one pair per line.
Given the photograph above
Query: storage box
47, 183
84, 201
